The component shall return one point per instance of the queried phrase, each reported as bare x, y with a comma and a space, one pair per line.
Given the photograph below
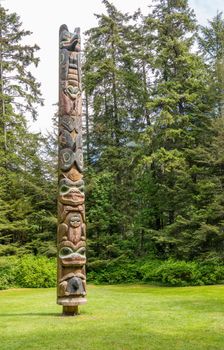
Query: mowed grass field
129, 317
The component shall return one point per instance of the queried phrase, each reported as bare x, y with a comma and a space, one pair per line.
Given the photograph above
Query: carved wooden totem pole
71, 236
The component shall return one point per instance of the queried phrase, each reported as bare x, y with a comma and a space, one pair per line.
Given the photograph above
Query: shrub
212, 272
174, 273
7, 271
113, 271
97, 265
8, 249
40, 272
36, 272
4, 284
148, 267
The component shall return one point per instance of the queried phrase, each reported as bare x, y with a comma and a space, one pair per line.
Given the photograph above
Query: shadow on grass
56, 314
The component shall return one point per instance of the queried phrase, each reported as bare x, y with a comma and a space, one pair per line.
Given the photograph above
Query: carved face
76, 227
65, 185
70, 41
71, 192
72, 255
72, 197
75, 219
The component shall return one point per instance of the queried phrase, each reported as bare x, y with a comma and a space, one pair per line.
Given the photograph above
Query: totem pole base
70, 310
71, 302
70, 305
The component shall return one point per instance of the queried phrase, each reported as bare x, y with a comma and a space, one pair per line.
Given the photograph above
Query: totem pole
71, 236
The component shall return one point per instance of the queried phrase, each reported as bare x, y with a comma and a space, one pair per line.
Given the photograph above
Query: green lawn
115, 317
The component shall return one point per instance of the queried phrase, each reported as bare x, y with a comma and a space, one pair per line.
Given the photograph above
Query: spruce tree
177, 143
20, 163
211, 43
114, 88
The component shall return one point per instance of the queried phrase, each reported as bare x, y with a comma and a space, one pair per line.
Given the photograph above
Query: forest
153, 129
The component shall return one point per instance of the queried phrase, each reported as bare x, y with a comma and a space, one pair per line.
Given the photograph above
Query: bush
28, 271
183, 273
169, 272
148, 267
177, 273
212, 272
40, 272
4, 283
113, 271
8, 249
36, 272
7, 272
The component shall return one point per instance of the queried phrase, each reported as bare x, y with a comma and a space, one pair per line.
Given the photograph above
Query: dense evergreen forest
153, 93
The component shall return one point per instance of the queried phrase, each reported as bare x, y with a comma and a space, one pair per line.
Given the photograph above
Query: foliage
36, 272
184, 273
40, 272
4, 282
175, 273
154, 131
147, 270
113, 87
153, 142
27, 271
7, 272
115, 271
27, 197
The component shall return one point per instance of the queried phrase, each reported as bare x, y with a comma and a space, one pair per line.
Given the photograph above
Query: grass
129, 317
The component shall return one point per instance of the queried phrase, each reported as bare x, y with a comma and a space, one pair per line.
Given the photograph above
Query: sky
44, 17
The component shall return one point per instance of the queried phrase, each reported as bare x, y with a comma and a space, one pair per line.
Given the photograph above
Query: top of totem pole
68, 40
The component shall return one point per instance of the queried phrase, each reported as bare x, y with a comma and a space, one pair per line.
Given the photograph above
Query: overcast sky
43, 18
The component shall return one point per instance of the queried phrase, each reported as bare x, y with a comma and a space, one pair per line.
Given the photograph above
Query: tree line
154, 109
153, 130
27, 188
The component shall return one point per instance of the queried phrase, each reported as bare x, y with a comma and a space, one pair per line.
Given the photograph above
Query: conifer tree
114, 87
211, 42
180, 134
155, 170
20, 165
